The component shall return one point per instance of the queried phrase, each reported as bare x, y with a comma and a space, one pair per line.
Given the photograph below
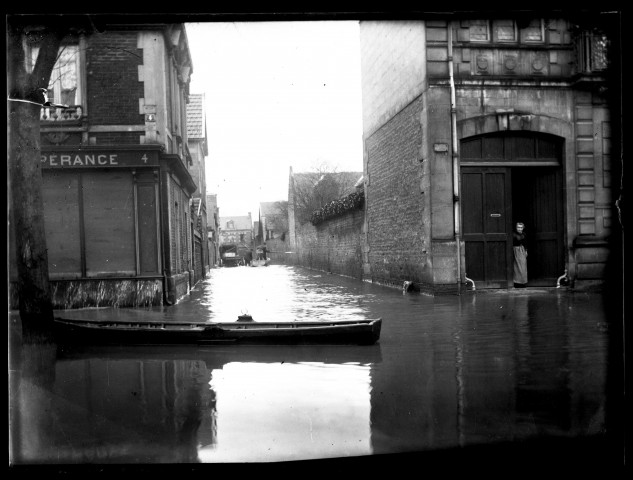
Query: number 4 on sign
144, 158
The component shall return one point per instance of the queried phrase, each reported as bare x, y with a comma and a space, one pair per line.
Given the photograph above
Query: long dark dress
520, 259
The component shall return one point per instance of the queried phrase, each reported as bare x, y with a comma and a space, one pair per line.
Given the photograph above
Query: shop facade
118, 188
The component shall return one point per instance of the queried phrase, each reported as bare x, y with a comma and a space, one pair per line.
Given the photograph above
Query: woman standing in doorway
520, 256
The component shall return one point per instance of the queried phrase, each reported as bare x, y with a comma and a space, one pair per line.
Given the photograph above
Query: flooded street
448, 371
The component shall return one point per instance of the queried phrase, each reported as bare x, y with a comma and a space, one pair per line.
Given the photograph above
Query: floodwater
483, 368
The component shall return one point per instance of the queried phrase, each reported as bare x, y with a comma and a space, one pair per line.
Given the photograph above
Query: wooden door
487, 225
537, 202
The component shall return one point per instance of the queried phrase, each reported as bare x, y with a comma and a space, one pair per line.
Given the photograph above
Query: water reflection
273, 412
448, 372
272, 294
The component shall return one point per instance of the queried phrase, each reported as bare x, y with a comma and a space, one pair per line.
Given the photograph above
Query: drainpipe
161, 243
564, 275
456, 204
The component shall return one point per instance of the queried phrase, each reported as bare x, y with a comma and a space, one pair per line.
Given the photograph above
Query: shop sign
101, 158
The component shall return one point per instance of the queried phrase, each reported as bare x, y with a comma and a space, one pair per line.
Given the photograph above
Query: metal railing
71, 113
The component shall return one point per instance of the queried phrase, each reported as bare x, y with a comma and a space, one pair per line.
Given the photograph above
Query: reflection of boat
360, 332
221, 354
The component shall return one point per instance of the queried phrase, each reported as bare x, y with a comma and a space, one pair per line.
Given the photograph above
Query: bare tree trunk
25, 178
27, 214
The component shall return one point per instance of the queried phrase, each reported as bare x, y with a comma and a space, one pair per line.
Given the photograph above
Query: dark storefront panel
60, 193
90, 223
109, 223
147, 223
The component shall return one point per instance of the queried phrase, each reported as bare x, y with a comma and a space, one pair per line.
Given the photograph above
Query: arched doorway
509, 177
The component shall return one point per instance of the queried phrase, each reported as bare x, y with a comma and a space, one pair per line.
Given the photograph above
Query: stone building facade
473, 124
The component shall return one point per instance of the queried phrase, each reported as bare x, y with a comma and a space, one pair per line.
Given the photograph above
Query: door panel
509, 177
495, 195
485, 223
537, 198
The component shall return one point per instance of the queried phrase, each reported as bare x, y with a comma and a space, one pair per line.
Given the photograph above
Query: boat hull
260, 263
364, 332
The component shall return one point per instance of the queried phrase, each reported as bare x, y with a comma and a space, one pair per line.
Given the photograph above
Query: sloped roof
239, 222
196, 126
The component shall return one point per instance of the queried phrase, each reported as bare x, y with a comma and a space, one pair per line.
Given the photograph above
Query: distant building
213, 229
237, 231
198, 148
274, 219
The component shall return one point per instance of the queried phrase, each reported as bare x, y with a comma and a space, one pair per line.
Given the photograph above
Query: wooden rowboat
117, 332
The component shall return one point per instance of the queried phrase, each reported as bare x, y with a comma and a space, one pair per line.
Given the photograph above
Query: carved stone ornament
482, 63
510, 63
538, 64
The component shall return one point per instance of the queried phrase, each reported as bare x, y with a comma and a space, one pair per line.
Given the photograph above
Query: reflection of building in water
569, 398
414, 399
504, 370
283, 411
130, 411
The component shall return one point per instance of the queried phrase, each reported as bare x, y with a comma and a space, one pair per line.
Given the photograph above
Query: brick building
117, 171
470, 125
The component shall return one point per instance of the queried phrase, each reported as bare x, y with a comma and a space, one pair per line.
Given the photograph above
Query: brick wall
113, 85
333, 246
397, 231
393, 68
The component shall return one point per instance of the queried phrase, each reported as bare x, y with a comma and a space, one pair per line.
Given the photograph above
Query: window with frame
534, 32
479, 30
65, 84
504, 31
